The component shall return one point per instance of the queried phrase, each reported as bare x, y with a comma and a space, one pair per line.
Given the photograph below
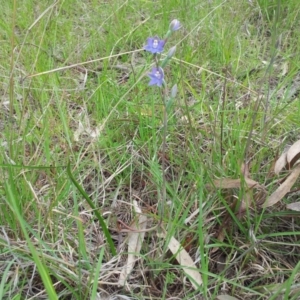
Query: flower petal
156, 76
154, 45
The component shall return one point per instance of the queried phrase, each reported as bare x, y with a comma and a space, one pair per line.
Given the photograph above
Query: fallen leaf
226, 297
228, 183
280, 163
135, 241
185, 261
284, 188
294, 206
293, 154
248, 196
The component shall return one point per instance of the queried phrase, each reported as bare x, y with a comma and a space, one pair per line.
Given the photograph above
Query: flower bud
174, 91
175, 25
171, 52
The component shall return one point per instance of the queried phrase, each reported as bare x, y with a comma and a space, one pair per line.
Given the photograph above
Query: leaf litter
288, 158
284, 188
185, 260
135, 241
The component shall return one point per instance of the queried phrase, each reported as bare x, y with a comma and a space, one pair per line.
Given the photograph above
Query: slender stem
274, 52
11, 82
164, 146
260, 97
222, 116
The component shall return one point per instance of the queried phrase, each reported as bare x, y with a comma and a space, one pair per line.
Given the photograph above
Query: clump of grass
73, 90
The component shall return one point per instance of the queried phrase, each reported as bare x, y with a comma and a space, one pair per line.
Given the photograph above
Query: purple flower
156, 76
175, 25
155, 45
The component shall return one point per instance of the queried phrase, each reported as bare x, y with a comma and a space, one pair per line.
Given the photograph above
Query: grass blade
43, 271
96, 211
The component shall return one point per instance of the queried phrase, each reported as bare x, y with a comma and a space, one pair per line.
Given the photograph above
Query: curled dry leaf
185, 261
284, 188
280, 163
288, 158
294, 206
293, 154
135, 241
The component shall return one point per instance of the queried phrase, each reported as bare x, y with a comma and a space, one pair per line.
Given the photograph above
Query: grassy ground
73, 90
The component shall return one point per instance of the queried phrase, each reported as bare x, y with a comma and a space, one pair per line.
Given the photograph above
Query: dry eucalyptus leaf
293, 154
185, 261
280, 163
246, 202
294, 206
228, 183
226, 297
135, 241
284, 188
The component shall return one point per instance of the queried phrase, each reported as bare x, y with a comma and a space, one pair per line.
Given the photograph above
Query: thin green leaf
96, 274
43, 270
4, 279
96, 210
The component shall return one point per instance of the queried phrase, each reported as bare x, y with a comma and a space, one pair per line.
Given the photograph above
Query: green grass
73, 90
